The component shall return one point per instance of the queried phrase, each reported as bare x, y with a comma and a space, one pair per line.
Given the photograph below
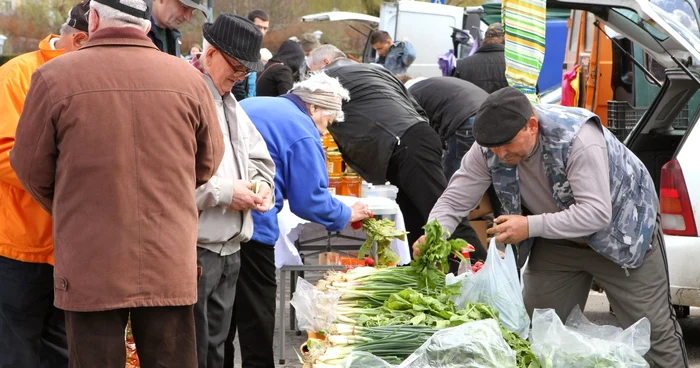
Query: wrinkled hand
360, 211
416, 251
509, 229
265, 192
243, 196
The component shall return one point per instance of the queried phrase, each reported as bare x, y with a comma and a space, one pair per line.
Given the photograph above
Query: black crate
622, 118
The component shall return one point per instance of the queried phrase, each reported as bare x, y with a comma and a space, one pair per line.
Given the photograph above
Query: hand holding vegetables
434, 253
360, 211
510, 229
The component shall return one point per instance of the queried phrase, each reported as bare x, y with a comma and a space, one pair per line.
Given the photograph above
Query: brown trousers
164, 337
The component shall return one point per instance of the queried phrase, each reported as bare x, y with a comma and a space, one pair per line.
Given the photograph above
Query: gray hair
116, 18
66, 29
324, 92
329, 52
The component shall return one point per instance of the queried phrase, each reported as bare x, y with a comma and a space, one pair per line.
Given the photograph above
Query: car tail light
676, 212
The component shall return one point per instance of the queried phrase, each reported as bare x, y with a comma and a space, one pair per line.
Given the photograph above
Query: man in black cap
121, 187
32, 329
591, 211
487, 67
386, 135
242, 183
168, 15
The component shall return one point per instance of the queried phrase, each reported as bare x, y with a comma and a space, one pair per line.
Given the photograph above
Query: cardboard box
480, 227
484, 208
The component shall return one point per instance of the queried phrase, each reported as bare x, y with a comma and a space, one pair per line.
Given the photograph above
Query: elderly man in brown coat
113, 146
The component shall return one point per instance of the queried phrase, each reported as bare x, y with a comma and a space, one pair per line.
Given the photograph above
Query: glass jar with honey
334, 162
335, 182
328, 142
351, 185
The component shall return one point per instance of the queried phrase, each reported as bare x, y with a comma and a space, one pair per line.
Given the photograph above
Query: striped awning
524, 24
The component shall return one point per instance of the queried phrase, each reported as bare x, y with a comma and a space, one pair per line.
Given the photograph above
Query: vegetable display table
300, 239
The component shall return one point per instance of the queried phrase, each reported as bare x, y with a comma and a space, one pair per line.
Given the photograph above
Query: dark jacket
379, 112
280, 71
486, 68
448, 102
172, 38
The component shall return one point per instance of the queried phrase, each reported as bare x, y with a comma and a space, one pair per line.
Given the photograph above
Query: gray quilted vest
634, 200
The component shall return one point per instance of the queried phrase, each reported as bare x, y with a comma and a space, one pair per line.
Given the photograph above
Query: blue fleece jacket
301, 178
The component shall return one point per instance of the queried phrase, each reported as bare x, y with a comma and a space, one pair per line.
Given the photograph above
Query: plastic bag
473, 344
636, 336
466, 279
581, 344
361, 359
497, 285
315, 309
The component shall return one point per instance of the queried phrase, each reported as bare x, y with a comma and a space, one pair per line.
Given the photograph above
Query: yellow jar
334, 163
334, 183
351, 185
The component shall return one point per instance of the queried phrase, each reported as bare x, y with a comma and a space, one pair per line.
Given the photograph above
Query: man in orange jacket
32, 330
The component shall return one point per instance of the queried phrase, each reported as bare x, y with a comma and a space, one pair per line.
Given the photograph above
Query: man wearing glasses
168, 15
242, 183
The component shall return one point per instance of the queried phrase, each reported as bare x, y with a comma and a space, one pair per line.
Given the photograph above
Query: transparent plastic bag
477, 344
582, 344
636, 336
497, 284
361, 359
315, 309
466, 279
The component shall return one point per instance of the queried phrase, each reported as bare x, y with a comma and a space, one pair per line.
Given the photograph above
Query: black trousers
164, 337
254, 308
32, 330
416, 169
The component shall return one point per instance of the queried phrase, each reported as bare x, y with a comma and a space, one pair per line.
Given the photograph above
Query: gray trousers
216, 292
559, 275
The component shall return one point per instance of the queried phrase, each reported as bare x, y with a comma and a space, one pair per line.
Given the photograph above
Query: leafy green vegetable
382, 232
434, 253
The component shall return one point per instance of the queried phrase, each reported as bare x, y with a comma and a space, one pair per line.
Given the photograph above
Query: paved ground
597, 310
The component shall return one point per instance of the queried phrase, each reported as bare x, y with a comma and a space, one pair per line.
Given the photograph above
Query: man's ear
533, 124
80, 39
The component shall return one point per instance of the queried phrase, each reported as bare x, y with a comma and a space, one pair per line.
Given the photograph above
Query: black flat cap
502, 115
77, 18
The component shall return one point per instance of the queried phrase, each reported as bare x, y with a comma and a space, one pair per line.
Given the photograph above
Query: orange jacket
25, 228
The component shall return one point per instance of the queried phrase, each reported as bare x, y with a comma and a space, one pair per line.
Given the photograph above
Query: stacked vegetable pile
391, 312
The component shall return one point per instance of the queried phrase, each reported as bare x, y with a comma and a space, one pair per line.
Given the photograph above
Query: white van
428, 26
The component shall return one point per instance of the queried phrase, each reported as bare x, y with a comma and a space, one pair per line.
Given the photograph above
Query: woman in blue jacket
291, 125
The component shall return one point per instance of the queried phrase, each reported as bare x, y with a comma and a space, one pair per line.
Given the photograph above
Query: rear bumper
683, 255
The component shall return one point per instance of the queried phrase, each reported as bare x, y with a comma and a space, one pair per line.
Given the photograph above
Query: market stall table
300, 238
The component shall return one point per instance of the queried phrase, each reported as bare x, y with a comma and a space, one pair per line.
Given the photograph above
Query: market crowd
138, 186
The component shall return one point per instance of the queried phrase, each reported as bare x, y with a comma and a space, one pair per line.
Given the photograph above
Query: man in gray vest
579, 203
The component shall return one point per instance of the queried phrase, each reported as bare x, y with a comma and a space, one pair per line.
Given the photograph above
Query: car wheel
682, 311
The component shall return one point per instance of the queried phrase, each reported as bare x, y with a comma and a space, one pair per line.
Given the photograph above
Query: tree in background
34, 19
31, 21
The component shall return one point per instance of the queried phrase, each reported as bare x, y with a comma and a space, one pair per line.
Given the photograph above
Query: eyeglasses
237, 72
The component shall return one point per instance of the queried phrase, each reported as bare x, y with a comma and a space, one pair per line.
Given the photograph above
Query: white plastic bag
315, 309
466, 280
477, 344
497, 285
582, 344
